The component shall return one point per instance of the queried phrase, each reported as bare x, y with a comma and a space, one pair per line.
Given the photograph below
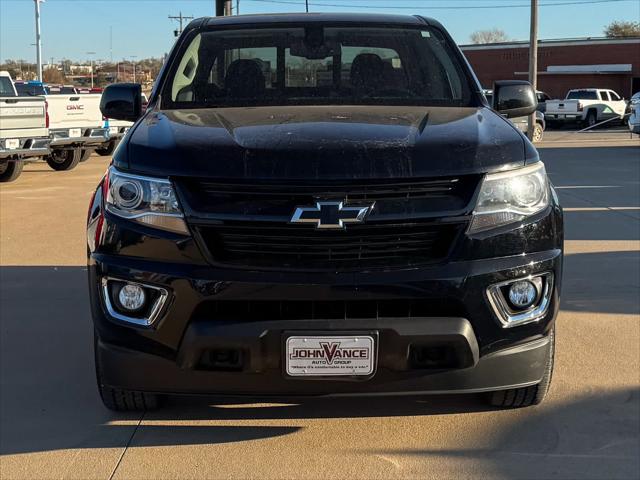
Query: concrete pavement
52, 424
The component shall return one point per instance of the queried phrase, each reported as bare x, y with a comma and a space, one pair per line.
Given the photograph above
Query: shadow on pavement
48, 398
601, 226
239, 408
605, 282
596, 436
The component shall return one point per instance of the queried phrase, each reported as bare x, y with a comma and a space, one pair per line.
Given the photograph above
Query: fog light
522, 294
519, 301
131, 297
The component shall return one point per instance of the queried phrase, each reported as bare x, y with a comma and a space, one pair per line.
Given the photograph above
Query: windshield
317, 65
582, 95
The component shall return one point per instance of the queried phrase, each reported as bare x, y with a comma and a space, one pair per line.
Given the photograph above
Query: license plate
113, 130
350, 355
75, 132
12, 143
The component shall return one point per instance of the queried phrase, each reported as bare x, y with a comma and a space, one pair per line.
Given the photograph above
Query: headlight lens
511, 196
148, 200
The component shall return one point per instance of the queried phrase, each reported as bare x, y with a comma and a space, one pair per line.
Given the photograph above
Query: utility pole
223, 7
91, 60
38, 40
111, 44
134, 67
180, 19
306, 4
533, 61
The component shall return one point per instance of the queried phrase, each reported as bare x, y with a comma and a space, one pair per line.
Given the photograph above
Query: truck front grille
359, 246
414, 222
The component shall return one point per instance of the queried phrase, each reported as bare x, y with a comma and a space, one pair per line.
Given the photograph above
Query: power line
459, 7
352, 5
181, 18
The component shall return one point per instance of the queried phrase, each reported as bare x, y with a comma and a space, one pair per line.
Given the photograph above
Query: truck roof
288, 18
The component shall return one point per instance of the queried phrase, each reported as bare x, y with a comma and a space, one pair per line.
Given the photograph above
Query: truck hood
317, 142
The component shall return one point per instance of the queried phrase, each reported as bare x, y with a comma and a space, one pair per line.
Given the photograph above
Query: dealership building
611, 63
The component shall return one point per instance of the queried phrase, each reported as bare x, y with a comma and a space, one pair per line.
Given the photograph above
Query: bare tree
489, 36
53, 75
621, 28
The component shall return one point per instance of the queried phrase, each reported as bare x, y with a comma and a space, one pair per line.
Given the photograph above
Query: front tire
118, 399
9, 171
531, 395
64, 159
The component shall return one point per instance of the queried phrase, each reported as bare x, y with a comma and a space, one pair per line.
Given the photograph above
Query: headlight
511, 196
148, 200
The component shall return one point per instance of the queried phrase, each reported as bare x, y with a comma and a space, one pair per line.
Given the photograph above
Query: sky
141, 28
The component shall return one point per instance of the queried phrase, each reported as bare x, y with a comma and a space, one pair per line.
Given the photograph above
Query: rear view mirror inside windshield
314, 46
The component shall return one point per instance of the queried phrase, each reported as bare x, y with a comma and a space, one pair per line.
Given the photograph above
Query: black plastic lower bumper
512, 367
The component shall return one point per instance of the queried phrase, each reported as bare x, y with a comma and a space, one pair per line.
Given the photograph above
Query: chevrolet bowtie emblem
331, 214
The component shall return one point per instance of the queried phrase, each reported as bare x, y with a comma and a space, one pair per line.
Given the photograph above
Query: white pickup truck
586, 105
77, 128
24, 134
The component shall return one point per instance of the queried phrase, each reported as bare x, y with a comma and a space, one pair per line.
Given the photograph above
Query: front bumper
512, 367
165, 357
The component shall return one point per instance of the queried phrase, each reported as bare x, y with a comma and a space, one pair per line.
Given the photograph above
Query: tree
53, 75
622, 28
489, 36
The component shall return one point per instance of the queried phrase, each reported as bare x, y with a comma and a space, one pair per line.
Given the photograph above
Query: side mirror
122, 101
514, 98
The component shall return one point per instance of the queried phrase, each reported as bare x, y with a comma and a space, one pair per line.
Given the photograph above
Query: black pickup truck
322, 204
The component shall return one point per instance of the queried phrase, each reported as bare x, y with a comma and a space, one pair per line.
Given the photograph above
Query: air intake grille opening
367, 245
256, 310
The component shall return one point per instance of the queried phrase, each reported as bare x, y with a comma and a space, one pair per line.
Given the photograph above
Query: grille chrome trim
507, 316
154, 312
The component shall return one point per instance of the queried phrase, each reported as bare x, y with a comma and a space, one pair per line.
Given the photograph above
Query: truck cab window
6, 89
